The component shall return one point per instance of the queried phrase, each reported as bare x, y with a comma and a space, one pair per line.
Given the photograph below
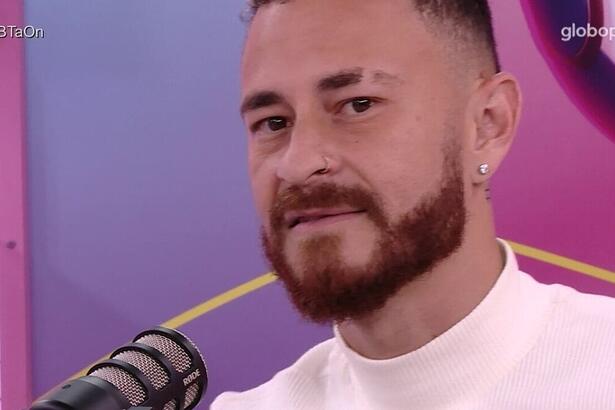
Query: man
374, 128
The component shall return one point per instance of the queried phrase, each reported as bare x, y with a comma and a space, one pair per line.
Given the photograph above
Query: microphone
160, 370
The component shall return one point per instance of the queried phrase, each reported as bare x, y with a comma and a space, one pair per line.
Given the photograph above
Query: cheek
261, 205
263, 187
405, 176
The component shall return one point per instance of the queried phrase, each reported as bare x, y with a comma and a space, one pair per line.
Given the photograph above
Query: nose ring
325, 169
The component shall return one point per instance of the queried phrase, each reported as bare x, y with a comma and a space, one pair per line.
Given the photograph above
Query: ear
496, 109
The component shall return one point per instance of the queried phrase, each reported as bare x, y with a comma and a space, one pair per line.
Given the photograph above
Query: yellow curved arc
220, 300
563, 262
199, 310
263, 280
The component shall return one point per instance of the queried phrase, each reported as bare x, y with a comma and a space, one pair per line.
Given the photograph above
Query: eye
357, 105
271, 125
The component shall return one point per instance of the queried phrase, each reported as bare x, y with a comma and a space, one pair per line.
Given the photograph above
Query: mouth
316, 217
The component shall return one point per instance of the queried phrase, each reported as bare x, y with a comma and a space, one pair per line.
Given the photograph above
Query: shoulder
577, 316
572, 357
303, 379
581, 306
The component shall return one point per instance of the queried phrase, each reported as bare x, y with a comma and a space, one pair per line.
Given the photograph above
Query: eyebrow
384, 77
345, 78
260, 99
335, 81
340, 79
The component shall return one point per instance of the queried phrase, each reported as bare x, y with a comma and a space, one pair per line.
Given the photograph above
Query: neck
432, 304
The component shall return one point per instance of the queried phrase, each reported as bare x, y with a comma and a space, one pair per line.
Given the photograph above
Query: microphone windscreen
160, 370
179, 351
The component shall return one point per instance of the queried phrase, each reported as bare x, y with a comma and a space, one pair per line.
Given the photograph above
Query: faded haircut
467, 22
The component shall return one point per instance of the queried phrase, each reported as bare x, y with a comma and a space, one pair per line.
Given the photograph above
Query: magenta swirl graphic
577, 39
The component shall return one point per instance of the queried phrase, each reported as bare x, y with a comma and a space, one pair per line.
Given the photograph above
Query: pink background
556, 190
14, 310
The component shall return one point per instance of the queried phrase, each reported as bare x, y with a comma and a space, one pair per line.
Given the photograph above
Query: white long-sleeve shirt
525, 346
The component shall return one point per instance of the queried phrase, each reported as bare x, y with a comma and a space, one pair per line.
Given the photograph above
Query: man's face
363, 89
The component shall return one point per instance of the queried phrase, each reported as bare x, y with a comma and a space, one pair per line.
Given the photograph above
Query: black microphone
160, 370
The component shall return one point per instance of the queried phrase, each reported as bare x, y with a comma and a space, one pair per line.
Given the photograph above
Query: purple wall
140, 204
139, 199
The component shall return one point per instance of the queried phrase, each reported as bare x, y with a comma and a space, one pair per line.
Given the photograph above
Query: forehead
301, 40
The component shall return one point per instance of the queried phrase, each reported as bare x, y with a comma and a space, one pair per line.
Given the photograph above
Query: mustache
324, 195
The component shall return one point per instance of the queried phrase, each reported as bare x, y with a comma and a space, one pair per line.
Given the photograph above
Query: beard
323, 288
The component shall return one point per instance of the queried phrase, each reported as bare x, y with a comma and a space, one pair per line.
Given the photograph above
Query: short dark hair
462, 17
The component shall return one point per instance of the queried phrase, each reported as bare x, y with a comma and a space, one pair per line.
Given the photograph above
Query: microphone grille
179, 358
129, 385
171, 405
191, 393
155, 373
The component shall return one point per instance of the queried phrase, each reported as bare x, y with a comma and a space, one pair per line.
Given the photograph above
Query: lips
295, 218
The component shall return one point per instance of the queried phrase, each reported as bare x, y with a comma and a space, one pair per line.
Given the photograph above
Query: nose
306, 158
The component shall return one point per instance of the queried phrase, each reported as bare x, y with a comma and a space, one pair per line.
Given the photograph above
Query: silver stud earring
483, 169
